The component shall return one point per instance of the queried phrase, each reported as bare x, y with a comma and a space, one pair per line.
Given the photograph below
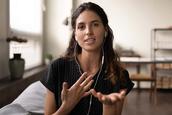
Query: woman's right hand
71, 96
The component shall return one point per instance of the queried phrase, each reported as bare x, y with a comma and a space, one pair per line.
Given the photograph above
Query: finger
81, 79
115, 97
122, 94
64, 89
86, 94
106, 100
99, 96
93, 92
87, 87
86, 81
96, 94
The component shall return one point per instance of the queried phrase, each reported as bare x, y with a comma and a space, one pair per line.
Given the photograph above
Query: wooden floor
138, 103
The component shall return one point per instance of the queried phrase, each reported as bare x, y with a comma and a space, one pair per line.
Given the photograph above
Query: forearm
109, 109
62, 111
115, 109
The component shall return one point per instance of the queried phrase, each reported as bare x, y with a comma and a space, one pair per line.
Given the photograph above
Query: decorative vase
16, 67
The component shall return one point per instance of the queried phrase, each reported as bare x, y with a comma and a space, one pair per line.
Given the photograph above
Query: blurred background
39, 30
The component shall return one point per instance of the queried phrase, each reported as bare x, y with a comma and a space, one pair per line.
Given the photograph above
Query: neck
90, 62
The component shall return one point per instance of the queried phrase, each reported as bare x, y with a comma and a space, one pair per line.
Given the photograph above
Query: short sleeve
48, 79
126, 82
53, 79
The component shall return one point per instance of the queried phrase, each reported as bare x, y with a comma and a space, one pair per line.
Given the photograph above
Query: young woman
89, 79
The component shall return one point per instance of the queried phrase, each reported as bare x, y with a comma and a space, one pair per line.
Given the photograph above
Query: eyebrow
93, 21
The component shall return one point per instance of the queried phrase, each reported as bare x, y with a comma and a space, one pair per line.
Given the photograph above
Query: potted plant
48, 58
16, 64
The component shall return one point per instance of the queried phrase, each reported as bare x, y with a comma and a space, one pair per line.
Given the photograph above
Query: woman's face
89, 31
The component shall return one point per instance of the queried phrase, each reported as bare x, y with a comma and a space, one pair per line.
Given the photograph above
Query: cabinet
161, 54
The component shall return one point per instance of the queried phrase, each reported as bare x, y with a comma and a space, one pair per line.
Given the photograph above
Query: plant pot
16, 67
47, 61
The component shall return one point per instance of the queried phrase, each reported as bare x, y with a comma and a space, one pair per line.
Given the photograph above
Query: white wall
3, 35
55, 32
133, 20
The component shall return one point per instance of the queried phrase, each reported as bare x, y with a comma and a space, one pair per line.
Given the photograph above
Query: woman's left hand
109, 99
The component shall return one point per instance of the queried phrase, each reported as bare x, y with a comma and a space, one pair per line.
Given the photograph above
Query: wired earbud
96, 81
76, 39
91, 97
105, 34
102, 56
75, 50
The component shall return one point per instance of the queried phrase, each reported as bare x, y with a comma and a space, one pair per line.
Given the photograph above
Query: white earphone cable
102, 62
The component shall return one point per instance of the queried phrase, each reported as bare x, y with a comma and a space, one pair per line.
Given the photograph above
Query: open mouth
90, 40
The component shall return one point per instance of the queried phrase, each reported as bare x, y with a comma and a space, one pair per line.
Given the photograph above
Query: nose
89, 30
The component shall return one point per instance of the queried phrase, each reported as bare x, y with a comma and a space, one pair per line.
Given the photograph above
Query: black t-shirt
67, 70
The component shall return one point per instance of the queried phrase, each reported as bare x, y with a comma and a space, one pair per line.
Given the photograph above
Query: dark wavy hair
111, 57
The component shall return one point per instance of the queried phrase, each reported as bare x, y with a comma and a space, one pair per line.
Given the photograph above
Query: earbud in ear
76, 39
105, 34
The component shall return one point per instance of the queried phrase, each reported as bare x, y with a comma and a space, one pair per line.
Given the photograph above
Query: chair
138, 77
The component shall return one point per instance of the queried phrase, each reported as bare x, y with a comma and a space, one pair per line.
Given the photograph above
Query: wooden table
138, 62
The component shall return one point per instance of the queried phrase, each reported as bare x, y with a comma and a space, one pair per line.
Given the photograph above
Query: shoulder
125, 81
125, 77
125, 73
58, 60
62, 61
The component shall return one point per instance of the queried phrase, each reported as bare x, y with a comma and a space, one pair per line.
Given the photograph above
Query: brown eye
81, 27
95, 24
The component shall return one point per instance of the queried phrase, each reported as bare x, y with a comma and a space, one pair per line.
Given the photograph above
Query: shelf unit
161, 54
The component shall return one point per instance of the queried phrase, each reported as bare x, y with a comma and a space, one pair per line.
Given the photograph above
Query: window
26, 22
